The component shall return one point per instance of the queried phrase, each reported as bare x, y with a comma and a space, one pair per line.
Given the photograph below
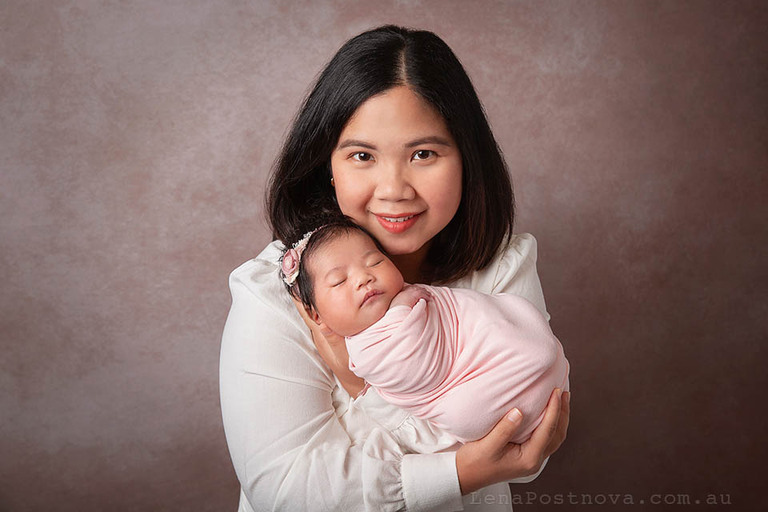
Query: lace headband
291, 262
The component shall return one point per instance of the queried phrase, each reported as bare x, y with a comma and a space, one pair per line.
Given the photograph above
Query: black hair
369, 64
324, 229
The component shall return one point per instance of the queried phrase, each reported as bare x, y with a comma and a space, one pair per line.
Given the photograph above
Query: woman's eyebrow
433, 139
357, 143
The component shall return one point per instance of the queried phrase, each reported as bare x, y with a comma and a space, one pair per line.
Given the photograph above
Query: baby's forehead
341, 248
347, 240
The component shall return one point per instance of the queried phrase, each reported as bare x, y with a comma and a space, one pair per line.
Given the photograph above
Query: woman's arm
289, 449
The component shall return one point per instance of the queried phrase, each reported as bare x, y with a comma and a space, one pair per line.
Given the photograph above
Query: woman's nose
393, 183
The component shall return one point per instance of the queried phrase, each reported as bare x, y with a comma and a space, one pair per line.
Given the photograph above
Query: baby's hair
330, 228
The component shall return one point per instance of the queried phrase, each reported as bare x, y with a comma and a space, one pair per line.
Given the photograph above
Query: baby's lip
369, 295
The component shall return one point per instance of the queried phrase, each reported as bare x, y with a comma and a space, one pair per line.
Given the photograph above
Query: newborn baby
458, 358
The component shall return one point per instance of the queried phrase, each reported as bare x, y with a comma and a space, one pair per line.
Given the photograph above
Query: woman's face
397, 171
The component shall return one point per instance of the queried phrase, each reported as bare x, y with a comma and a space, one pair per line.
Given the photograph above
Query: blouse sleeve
517, 275
289, 449
516, 271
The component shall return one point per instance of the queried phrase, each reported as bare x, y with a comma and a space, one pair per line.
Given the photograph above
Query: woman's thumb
505, 429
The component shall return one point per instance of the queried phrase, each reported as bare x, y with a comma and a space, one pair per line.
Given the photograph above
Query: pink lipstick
397, 223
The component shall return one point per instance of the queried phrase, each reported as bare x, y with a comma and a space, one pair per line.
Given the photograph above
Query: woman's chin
404, 248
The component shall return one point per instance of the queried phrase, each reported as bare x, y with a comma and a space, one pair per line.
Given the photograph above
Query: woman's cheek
351, 198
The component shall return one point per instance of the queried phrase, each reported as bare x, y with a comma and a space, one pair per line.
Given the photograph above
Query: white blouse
298, 441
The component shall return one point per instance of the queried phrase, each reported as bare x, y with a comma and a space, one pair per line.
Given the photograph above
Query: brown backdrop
135, 142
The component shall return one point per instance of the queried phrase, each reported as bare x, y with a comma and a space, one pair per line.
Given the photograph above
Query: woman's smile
397, 224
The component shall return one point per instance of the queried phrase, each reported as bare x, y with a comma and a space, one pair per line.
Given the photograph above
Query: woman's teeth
397, 219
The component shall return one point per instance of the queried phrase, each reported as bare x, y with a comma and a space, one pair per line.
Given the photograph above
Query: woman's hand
333, 350
494, 459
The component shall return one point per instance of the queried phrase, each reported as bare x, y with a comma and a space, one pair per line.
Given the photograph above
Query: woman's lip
397, 223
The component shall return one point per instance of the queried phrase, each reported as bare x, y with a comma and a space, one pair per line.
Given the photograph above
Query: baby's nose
364, 278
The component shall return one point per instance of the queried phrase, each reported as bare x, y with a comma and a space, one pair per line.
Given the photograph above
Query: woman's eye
362, 157
423, 154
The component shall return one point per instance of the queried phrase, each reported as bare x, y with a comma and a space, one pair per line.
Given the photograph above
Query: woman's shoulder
264, 333
258, 279
256, 286
517, 255
261, 271
520, 248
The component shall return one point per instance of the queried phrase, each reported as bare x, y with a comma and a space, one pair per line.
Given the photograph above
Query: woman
393, 136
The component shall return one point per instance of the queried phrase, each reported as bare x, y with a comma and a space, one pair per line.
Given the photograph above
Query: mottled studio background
135, 141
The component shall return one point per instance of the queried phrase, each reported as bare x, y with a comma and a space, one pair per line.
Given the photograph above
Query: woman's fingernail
515, 415
567, 397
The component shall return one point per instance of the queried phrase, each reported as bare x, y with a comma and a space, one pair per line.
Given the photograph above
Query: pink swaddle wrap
462, 360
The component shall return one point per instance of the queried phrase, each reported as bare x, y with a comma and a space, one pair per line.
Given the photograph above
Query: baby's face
354, 283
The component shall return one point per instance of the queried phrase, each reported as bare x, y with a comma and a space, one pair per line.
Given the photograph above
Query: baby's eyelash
334, 285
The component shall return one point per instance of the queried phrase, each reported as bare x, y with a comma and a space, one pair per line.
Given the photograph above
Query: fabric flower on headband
292, 260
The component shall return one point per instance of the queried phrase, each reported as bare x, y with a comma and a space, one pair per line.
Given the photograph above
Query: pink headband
291, 261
